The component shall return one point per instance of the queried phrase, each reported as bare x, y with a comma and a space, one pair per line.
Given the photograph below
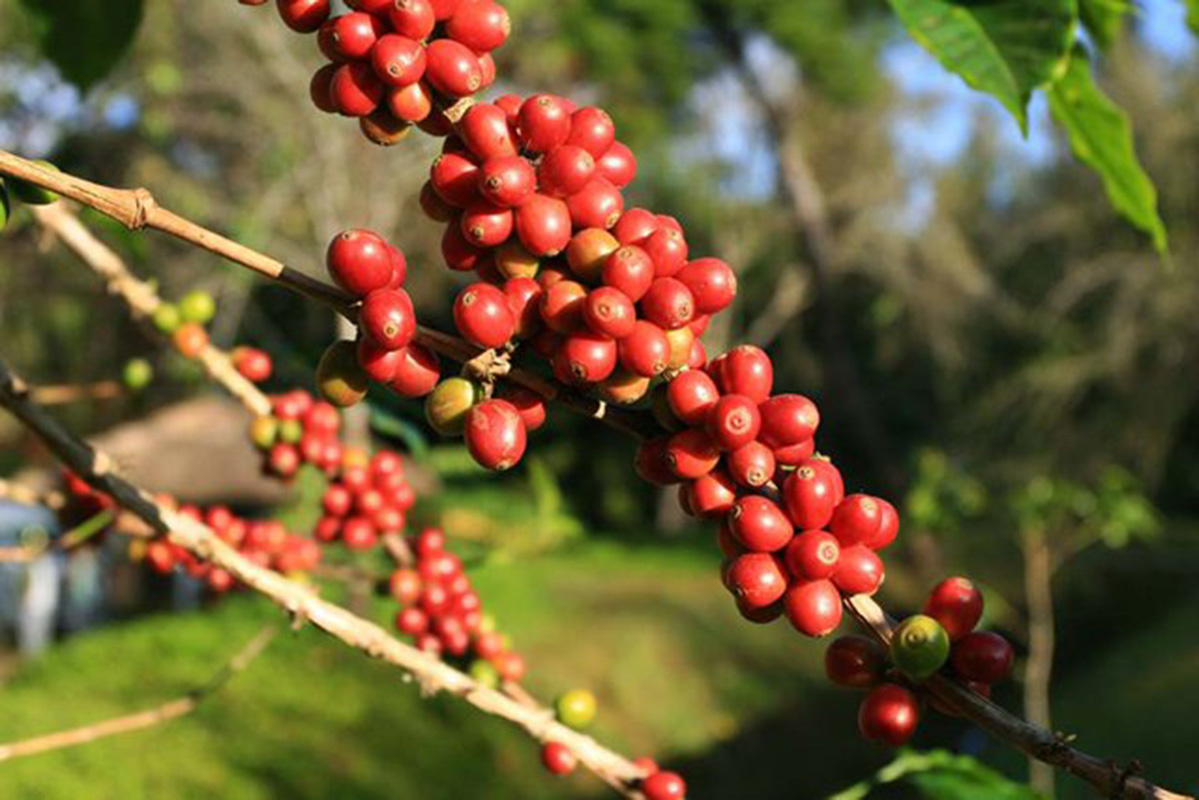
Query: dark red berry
787, 419
759, 524
417, 372
485, 225
751, 465
734, 421
412, 18
378, 363
544, 123
320, 89
524, 298
355, 90
485, 130
455, 177
668, 304
495, 434
634, 225
889, 714
398, 60
303, 16
813, 607
855, 662
562, 306
452, 68
458, 252
353, 35
756, 579
668, 250
691, 397
585, 358
483, 316
651, 464
691, 454
712, 495
859, 570
856, 519
359, 261
388, 318
813, 555
444, 9
507, 180
810, 495
957, 604
529, 404
982, 656
745, 370
646, 351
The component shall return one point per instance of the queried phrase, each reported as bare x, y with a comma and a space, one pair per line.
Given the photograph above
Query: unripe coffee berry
919, 647
576, 708
447, 405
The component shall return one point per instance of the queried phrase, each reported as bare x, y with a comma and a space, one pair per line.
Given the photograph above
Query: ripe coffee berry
645, 351
529, 404
919, 647
957, 604
486, 225
452, 68
562, 306
810, 495
351, 36
355, 90
759, 524
664, 786
651, 464
691, 397
417, 371
412, 103
856, 519
599, 204
608, 312
455, 178
485, 131
629, 269
543, 225
712, 495
744, 370
558, 758
253, 364
585, 358
734, 421
855, 662
813, 607
751, 465
495, 434
668, 304
412, 18
359, 261
712, 284
481, 25
859, 570
618, 165
544, 123
756, 579
982, 656
303, 16
388, 318
380, 365
565, 170
483, 317
889, 714
524, 298
691, 454
507, 181
398, 60
788, 419
593, 130
813, 555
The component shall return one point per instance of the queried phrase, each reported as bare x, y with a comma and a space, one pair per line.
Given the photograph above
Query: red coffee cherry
529, 404
759, 524
599, 204
787, 419
734, 421
855, 662
495, 434
712, 495
558, 758
511, 104
957, 604
253, 364
524, 298
712, 283
813, 555
810, 494
379, 364
458, 252
412, 18
645, 351
417, 372
320, 89
370, 6
544, 123
634, 225
744, 370
485, 130
452, 68
668, 304
856, 519
562, 306
404, 585
629, 269
618, 165
412, 621
444, 9
982, 656
623, 387
483, 316
412, 103
388, 318
668, 250
664, 786
752, 465
543, 225
351, 36
489, 70
303, 16
481, 25
756, 579
889, 714
888, 526
398, 60
507, 180
593, 130
813, 607
359, 533
455, 177
565, 170
651, 464
359, 261
585, 358
691, 454
691, 397
859, 570
486, 225
399, 266
608, 312
355, 90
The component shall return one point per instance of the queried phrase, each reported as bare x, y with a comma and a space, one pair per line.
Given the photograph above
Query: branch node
144, 205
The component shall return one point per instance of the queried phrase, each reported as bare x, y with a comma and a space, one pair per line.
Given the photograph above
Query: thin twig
75, 392
98, 469
142, 719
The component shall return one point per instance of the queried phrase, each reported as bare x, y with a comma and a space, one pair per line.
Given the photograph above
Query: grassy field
742, 709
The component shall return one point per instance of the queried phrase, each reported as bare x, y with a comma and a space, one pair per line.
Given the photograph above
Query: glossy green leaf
940, 775
84, 38
1101, 137
1006, 48
1104, 19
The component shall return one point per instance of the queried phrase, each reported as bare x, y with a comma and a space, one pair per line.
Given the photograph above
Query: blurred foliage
84, 38
937, 774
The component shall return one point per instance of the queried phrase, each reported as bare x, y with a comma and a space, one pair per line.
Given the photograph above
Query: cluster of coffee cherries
794, 541
372, 269
942, 640
184, 321
396, 63
442, 613
299, 430
265, 542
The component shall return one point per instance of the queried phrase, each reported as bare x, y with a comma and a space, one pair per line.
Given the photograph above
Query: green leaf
84, 38
1193, 15
1101, 137
940, 775
1006, 48
1104, 19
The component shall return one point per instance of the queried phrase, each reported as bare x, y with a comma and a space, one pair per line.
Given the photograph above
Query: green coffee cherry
30, 193
137, 374
485, 673
339, 377
197, 306
291, 431
264, 431
576, 708
167, 318
446, 405
919, 647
